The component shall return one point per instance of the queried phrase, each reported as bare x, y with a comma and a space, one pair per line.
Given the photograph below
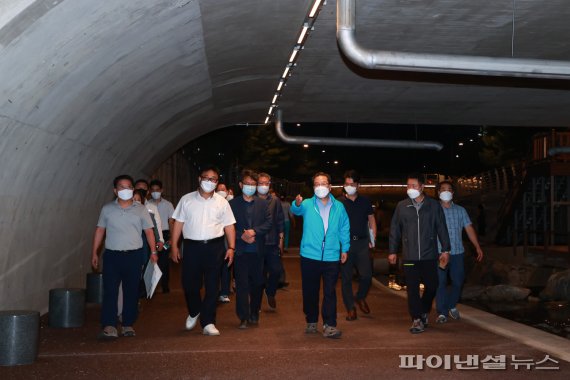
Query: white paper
152, 275
372, 241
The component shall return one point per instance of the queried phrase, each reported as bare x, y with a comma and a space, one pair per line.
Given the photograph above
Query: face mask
321, 191
222, 194
229, 197
446, 196
350, 190
207, 186
263, 190
125, 194
156, 195
248, 190
143, 192
413, 193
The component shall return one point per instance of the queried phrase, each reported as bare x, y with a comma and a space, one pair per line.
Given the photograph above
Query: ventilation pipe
438, 63
400, 144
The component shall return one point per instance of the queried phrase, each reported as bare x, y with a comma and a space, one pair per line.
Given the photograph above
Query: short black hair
420, 177
121, 178
141, 180
438, 187
156, 182
208, 168
249, 173
322, 174
352, 174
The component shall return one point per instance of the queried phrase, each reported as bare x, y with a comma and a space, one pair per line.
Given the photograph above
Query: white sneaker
191, 321
210, 330
224, 299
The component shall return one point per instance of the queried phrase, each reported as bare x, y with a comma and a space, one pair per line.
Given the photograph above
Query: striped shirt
456, 219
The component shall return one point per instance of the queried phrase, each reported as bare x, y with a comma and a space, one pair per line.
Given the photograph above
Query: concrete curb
535, 338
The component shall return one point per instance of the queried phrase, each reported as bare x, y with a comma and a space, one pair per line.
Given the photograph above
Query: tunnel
93, 89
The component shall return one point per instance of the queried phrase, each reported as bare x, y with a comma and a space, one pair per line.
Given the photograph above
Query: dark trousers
225, 278
201, 265
424, 271
359, 258
312, 271
248, 272
164, 264
272, 269
121, 267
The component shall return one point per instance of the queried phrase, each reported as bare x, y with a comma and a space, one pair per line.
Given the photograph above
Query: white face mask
321, 191
263, 190
207, 186
229, 197
446, 196
248, 190
413, 193
350, 190
125, 194
222, 194
156, 195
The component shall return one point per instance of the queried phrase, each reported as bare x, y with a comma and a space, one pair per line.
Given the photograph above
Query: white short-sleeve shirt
203, 219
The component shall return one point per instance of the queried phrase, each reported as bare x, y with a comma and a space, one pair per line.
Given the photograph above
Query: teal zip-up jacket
314, 244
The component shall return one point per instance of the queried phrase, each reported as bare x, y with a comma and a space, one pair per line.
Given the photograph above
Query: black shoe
254, 321
424, 319
351, 315
242, 324
166, 290
271, 302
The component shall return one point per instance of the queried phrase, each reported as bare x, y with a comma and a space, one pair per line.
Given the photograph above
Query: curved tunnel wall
92, 89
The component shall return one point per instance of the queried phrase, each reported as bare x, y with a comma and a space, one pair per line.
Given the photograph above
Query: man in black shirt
361, 217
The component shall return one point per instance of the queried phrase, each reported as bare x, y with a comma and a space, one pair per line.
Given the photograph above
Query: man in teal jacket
325, 243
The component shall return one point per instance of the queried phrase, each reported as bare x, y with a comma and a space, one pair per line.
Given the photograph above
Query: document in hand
371, 235
151, 276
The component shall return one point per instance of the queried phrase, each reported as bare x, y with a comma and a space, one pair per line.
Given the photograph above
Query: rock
500, 293
557, 287
472, 292
533, 299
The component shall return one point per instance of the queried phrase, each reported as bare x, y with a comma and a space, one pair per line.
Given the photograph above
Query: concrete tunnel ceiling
90, 89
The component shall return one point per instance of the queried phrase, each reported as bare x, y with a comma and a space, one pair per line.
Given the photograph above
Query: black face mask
143, 192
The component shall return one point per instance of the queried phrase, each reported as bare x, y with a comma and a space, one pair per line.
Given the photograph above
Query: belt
124, 251
354, 237
214, 240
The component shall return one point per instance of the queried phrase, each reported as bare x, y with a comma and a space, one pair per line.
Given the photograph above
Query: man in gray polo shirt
120, 224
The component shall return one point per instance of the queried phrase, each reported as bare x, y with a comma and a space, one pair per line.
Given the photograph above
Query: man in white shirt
165, 210
203, 217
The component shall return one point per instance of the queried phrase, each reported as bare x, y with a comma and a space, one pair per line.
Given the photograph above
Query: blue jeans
312, 272
448, 296
125, 267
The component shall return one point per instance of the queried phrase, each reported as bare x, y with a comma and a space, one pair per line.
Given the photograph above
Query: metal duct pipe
558, 150
438, 63
401, 144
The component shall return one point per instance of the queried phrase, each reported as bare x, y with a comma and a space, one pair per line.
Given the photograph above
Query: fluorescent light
280, 85
285, 72
305, 145
270, 110
315, 7
303, 32
266, 120
293, 54
274, 99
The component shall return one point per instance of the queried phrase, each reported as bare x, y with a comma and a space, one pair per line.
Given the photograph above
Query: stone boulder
557, 287
505, 293
472, 292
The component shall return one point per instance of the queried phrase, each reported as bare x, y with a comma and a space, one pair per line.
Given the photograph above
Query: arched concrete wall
92, 89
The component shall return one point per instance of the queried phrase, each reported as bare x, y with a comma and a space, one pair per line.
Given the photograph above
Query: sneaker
424, 319
253, 320
243, 324
191, 321
108, 333
417, 327
331, 332
454, 313
211, 330
311, 328
441, 319
127, 331
224, 299
271, 302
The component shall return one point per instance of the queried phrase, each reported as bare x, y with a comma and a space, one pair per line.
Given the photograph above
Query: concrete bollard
19, 337
94, 288
66, 307
381, 266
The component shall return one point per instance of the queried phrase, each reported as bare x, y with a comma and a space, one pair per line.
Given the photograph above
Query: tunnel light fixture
314, 8
271, 109
274, 98
294, 53
305, 146
266, 120
286, 71
280, 85
304, 31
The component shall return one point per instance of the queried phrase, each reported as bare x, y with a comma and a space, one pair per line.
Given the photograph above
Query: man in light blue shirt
456, 219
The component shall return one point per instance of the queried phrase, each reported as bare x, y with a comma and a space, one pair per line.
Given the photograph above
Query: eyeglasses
211, 179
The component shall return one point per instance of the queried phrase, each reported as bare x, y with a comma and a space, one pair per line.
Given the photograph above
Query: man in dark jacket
417, 223
253, 222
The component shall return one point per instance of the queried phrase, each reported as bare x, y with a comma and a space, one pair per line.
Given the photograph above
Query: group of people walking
248, 231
